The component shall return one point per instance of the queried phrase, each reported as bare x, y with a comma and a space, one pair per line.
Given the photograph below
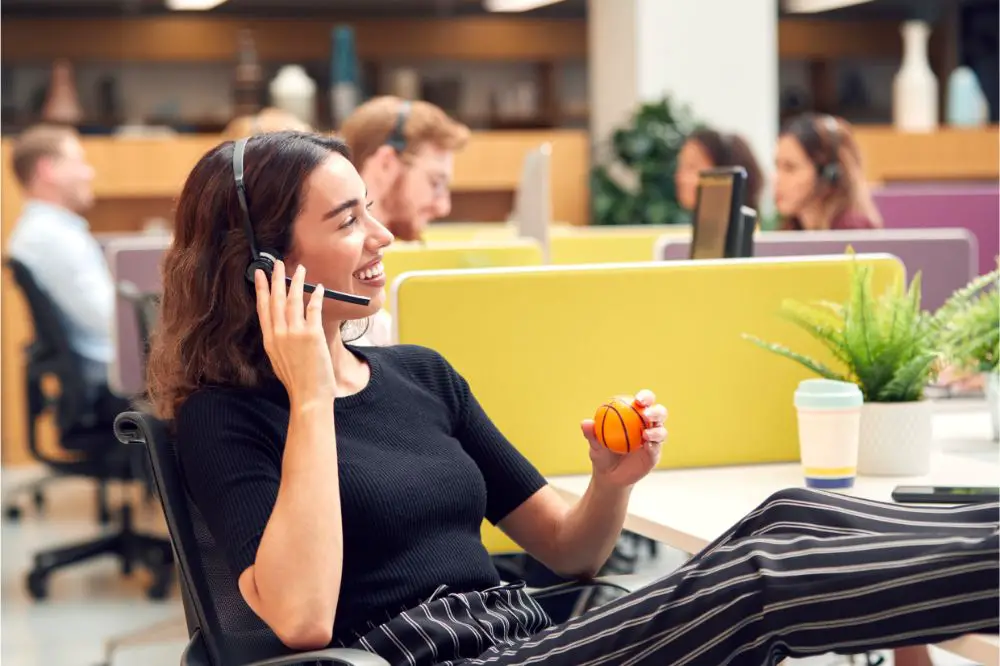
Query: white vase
915, 88
896, 438
293, 91
993, 400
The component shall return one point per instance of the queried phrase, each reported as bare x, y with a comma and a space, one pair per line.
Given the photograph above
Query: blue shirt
67, 262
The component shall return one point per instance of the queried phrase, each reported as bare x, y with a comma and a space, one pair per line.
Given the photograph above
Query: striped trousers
808, 572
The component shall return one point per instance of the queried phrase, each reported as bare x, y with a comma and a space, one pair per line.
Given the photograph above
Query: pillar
720, 57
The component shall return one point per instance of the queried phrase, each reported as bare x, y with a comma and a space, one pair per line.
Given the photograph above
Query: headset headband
397, 139
239, 147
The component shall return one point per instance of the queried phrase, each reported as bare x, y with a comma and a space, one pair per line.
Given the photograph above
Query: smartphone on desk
945, 494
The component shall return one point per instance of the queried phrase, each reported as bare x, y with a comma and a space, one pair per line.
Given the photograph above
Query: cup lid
828, 394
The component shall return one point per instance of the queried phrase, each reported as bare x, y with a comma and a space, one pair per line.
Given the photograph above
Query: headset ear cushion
264, 262
831, 173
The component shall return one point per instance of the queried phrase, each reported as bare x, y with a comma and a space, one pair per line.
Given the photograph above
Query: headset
397, 139
830, 172
264, 260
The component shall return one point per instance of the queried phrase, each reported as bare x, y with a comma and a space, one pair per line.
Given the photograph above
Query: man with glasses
404, 152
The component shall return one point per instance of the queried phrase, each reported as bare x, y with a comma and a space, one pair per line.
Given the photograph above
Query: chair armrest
195, 654
625, 583
330, 657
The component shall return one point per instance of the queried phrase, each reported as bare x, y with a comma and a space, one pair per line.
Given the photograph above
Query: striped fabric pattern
808, 572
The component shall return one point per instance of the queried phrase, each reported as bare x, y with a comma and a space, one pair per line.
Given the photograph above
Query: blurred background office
623, 102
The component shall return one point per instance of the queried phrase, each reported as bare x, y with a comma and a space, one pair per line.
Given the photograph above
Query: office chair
92, 448
222, 629
146, 306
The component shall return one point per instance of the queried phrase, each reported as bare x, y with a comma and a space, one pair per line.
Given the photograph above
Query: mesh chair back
51, 353
213, 605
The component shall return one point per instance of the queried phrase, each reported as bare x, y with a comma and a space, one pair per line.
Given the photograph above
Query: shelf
205, 39
192, 39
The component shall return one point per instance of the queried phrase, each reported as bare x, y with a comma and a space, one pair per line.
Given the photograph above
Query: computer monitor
532, 214
718, 215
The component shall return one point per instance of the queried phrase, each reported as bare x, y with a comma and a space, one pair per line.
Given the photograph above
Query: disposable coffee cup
829, 415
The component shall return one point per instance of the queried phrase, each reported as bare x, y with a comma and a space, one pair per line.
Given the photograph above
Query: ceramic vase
915, 88
62, 105
344, 91
896, 438
293, 91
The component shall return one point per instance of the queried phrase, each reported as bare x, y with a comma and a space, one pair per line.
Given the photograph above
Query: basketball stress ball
619, 423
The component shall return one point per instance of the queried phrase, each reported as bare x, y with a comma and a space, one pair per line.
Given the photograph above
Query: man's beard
396, 215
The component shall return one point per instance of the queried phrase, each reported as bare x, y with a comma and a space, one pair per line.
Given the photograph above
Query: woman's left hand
624, 470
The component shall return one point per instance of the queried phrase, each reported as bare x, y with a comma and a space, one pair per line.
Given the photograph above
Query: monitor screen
713, 215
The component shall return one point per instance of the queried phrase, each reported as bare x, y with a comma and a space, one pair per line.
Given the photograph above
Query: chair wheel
161, 584
38, 585
13, 512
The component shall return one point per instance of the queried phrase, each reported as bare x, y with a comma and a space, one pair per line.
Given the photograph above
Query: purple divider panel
946, 258
971, 206
136, 260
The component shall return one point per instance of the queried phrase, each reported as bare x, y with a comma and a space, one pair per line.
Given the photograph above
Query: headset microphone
264, 260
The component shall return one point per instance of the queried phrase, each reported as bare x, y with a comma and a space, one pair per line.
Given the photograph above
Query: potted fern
885, 344
971, 336
892, 350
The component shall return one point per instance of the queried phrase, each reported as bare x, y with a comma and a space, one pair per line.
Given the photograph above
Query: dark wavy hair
732, 150
208, 331
850, 193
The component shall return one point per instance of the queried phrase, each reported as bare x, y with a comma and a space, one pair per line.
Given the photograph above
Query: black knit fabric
420, 465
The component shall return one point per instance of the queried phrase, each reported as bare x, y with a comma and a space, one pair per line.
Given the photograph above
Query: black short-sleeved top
420, 466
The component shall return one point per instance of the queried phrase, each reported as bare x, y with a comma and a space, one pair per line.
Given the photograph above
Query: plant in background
970, 323
636, 186
885, 344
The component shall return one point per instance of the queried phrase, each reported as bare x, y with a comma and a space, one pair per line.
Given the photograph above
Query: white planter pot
993, 400
895, 439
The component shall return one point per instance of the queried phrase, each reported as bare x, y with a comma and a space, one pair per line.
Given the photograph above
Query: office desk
688, 509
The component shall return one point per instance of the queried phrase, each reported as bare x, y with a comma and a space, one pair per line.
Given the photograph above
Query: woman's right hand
293, 336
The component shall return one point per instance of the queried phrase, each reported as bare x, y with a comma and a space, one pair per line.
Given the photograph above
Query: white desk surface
689, 508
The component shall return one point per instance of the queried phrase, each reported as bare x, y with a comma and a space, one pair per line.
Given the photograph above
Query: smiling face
338, 241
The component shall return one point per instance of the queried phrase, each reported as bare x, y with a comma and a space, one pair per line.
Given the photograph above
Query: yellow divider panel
400, 259
605, 245
468, 231
555, 342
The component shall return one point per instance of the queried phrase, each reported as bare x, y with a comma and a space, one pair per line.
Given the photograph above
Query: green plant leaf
907, 384
821, 324
811, 364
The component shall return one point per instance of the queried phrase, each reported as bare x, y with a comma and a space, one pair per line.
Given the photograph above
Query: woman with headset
346, 486
819, 182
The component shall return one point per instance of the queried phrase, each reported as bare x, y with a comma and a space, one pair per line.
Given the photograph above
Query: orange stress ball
619, 423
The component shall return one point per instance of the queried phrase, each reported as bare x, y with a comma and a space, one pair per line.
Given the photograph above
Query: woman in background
706, 149
819, 182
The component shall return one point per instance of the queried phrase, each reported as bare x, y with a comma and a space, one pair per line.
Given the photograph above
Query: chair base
129, 546
13, 510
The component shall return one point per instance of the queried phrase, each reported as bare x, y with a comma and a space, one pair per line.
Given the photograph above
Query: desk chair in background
222, 629
90, 445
